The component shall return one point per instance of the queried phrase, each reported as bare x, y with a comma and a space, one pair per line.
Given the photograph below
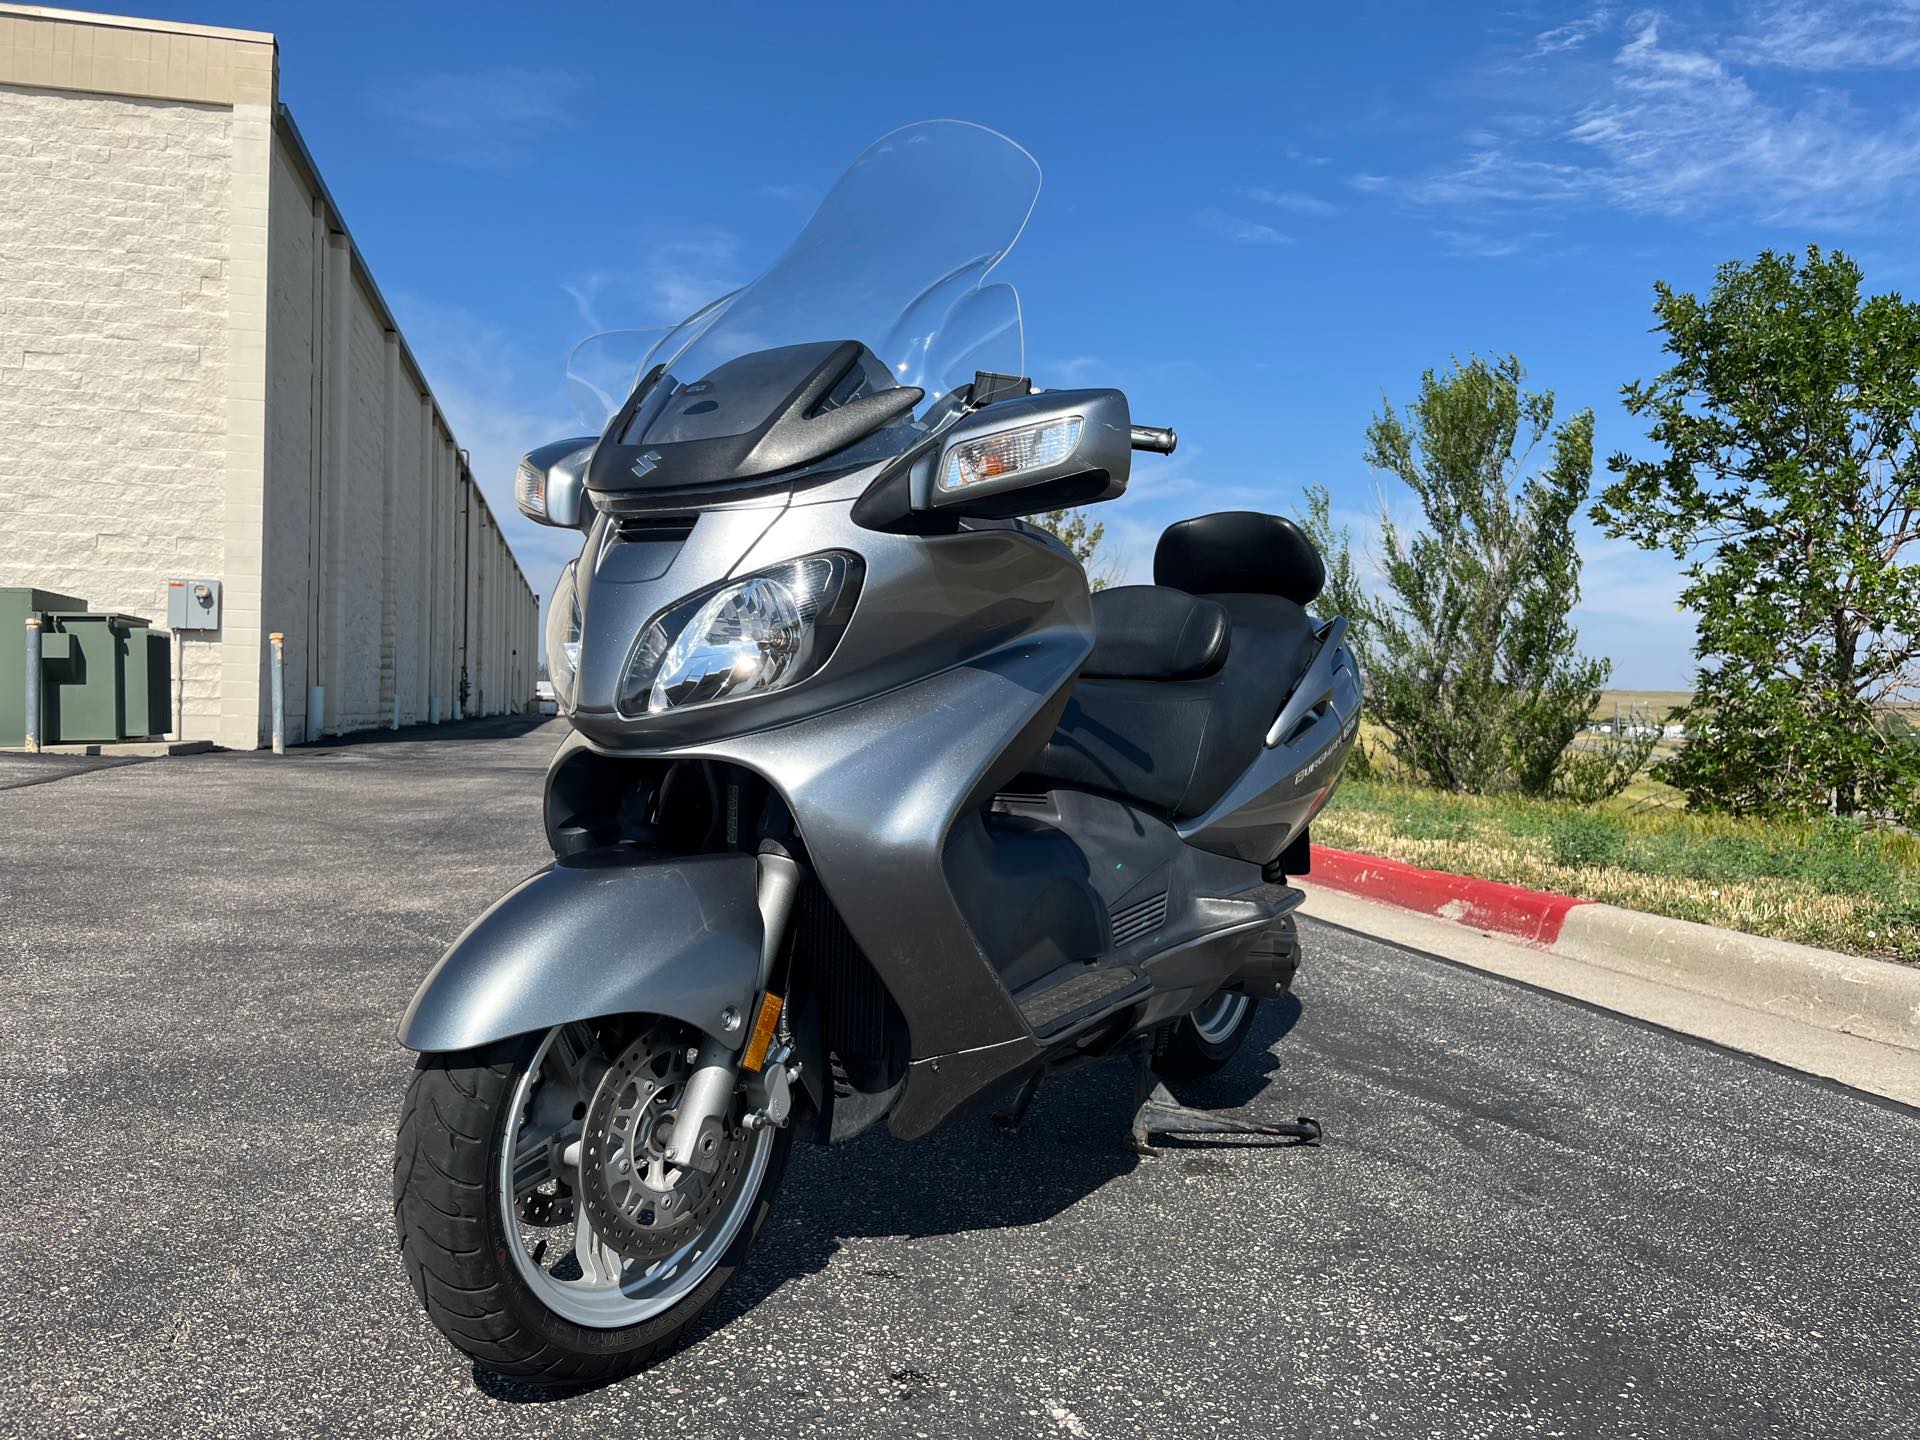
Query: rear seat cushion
1175, 746
1146, 632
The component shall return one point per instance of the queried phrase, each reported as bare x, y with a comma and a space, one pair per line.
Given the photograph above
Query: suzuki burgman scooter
869, 809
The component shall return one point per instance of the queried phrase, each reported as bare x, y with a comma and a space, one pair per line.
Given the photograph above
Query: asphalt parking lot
1529, 1218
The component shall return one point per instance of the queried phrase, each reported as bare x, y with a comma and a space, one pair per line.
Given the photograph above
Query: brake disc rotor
637, 1202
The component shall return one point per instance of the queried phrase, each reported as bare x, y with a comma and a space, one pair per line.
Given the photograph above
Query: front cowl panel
952, 673
925, 604
625, 582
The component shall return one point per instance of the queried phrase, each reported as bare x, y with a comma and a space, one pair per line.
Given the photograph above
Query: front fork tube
695, 1139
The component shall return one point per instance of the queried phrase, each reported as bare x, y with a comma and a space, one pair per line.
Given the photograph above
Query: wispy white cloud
1481, 245
583, 296
1294, 202
1684, 135
677, 276
1572, 35
489, 119
1240, 231
1072, 370
685, 273
1683, 129
1831, 35
1307, 157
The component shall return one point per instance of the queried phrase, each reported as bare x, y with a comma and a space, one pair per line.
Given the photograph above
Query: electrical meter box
193, 604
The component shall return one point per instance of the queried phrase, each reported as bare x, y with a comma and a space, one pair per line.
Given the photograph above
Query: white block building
199, 379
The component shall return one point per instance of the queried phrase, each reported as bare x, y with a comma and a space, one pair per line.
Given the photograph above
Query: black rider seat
1188, 673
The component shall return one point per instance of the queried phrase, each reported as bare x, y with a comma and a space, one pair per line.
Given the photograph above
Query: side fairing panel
1292, 776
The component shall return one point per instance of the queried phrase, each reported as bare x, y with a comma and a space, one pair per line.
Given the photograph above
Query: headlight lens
750, 636
563, 635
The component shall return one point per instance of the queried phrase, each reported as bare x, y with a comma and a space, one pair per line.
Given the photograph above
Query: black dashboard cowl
783, 400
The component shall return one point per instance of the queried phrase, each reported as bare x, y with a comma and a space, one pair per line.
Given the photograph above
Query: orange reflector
762, 1037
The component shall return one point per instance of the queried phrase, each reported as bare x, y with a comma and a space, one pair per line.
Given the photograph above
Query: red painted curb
1534, 915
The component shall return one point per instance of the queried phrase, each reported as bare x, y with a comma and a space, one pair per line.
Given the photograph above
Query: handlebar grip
1148, 437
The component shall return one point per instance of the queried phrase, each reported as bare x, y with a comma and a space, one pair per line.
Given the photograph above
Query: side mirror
550, 485
1037, 452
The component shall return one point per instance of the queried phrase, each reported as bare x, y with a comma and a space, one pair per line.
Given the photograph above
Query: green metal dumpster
17, 602
103, 690
147, 702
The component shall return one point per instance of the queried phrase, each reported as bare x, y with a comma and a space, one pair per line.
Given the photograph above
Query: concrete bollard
316, 712
33, 683
278, 643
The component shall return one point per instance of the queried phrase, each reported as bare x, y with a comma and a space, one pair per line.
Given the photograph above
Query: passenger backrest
1240, 552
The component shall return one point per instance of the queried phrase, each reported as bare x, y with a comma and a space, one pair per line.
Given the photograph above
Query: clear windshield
896, 257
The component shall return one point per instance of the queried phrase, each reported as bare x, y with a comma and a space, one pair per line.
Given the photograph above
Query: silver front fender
600, 935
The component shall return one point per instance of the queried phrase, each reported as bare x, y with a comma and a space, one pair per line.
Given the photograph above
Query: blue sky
1255, 219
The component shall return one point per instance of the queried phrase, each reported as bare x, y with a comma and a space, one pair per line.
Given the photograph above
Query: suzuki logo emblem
647, 463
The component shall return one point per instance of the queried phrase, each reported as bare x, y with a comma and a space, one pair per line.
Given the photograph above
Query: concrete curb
137, 749
1535, 916
1874, 999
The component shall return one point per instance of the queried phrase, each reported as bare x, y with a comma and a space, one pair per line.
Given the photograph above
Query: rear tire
1199, 1044
454, 1231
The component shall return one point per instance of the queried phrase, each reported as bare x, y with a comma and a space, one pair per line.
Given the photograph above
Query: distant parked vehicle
869, 807
545, 702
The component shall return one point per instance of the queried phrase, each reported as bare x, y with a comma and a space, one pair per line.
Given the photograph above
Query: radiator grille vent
1142, 917
653, 527
864, 1028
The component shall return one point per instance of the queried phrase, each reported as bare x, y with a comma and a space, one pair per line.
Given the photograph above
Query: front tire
470, 1248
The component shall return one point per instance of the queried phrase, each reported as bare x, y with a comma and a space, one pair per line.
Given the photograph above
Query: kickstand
1156, 1112
1010, 1120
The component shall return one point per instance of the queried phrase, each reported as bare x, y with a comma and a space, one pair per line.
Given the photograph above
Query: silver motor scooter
869, 809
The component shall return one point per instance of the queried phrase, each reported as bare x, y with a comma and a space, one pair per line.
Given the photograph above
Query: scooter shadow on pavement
955, 1181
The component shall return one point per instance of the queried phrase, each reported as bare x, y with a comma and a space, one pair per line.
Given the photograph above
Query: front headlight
563, 635
751, 636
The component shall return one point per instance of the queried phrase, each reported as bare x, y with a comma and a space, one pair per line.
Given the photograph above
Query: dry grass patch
1834, 884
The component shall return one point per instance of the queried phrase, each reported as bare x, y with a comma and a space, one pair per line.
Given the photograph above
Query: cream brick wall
199, 377
290, 602
114, 276
369, 573
356, 706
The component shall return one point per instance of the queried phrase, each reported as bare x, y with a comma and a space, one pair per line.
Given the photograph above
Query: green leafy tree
1342, 594
1087, 539
1469, 652
1789, 479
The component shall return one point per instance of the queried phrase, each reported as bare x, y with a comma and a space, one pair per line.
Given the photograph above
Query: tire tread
442, 1196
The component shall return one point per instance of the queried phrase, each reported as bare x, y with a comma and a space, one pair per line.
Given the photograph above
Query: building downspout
464, 479
339, 443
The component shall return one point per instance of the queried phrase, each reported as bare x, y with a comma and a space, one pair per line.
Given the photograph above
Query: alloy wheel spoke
599, 1263
537, 1155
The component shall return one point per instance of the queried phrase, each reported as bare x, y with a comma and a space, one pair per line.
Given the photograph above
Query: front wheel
544, 1230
